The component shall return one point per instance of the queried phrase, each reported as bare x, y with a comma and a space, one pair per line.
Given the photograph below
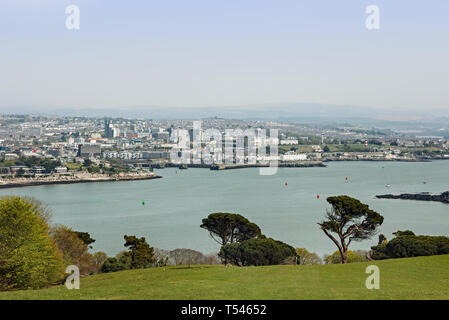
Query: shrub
307, 258
407, 244
353, 256
28, 256
257, 252
113, 265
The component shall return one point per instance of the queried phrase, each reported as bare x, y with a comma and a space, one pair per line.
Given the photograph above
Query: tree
141, 255
98, 259
186, 257
28, 256
227, 228
87, 163
85, 237
257, 252
73, 249
350, 220
20, 172
307, 258
162, 257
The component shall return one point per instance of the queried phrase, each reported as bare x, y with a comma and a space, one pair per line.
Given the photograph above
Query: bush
353, 256
28, 256
257, 252
113, 265
307, 258
407, 244
185, 257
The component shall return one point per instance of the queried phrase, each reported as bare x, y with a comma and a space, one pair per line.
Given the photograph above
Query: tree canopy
140, 253
28, 256
350, 220
226, 228
257, 252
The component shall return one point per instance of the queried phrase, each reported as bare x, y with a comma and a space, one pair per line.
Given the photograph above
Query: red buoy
317, 196
286, 184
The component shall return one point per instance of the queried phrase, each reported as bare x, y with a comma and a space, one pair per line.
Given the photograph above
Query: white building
293, 157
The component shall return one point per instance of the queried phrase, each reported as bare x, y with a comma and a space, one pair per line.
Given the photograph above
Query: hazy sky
224, 52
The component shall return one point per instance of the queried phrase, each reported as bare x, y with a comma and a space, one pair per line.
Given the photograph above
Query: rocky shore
423, 196
21, 182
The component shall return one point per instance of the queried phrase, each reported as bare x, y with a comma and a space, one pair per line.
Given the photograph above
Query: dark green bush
113, 265
407, 244
257, 252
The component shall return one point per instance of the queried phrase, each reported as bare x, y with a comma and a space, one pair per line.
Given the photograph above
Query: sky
223, 53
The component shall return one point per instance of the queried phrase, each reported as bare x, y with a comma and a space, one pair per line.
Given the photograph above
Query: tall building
107, 128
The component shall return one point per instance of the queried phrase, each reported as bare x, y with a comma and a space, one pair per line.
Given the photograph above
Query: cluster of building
141, 142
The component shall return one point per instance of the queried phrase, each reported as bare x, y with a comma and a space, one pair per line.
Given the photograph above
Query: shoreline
74, 181
422, 196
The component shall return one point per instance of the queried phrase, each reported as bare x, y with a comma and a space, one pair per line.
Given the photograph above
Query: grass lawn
410, 278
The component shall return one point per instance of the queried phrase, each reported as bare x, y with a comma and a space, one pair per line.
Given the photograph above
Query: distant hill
308, 112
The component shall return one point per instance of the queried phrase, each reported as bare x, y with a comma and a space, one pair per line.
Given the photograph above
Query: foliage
226, 228
186, 257
140, 253
307, 258
28, 256
353, 256
73, 249
33, 161
407, 244
162, 257
112, 265
257, 252
350, 220
85, 237
93, 169
98, 259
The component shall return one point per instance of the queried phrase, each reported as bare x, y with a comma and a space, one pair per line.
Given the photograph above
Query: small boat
388, 185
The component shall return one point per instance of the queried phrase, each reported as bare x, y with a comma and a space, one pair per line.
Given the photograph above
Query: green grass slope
410, 278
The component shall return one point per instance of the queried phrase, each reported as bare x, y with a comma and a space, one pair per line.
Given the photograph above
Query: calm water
175, 205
